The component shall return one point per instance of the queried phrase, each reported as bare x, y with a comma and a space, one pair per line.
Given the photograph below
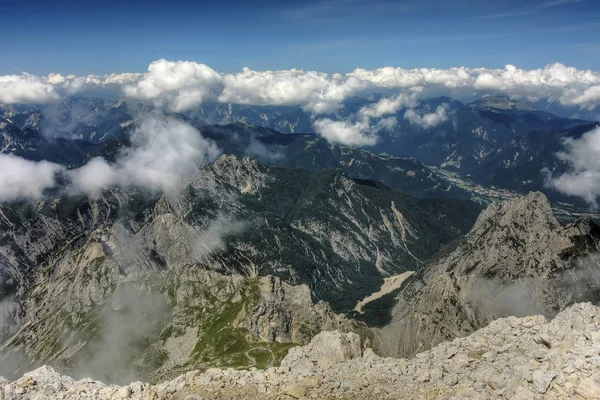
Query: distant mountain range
491, 141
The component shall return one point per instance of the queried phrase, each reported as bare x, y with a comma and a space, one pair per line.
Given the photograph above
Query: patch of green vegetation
97, 263
476, 354
279, 350
252, 292
218, 341
307, 332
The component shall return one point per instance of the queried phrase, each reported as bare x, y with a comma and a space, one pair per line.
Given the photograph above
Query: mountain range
283, 236
493, 141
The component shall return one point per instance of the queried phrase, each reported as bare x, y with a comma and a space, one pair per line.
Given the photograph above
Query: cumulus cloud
583, 178
588, 98
318, 93
360, 129
349, 133
387, 106
555, 81
22, 179
179, 85
164, 151
26, 88
428, 120
32, 89
183, 85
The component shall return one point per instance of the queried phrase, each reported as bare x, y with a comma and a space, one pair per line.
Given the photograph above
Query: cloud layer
583, 157
180, 86
183, 85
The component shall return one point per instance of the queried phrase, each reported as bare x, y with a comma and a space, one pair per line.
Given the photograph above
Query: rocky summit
512, 358
517, 260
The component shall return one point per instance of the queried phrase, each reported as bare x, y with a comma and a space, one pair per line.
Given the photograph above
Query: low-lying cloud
164, 151
132, 316
361, 129
357, 133
22, 179
428, 120
15, 89
183, 85
529, 296
583, 178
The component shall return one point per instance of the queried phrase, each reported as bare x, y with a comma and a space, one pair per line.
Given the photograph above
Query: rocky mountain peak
517, 260
245, 174
514, 239
530, 211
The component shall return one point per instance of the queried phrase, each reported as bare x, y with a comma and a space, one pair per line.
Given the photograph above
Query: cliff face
234, 260
517, 260
512, 358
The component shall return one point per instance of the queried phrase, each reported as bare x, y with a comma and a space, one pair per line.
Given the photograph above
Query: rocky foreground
512, 358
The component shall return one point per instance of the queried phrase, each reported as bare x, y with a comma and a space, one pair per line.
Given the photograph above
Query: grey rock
542, 380
517, 260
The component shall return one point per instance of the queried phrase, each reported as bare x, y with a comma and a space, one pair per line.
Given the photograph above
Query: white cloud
428, 120
317, 92
346, 132
22, 179
583, 157
94, 176
387, 106
359, 129
164, 152
588, 98
26, 89
183, 85
179, 85
387, 124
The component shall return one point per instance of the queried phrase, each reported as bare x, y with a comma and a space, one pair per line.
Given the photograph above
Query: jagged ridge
511, 358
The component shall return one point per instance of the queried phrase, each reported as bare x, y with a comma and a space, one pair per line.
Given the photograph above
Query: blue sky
83, 37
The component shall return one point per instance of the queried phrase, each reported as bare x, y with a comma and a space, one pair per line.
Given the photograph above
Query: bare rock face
246, 175
286, 314
517, 260
325, 349
511, 358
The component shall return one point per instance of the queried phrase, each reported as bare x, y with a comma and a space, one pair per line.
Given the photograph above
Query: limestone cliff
517, 260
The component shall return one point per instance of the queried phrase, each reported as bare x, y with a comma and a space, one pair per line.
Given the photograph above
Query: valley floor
512, 358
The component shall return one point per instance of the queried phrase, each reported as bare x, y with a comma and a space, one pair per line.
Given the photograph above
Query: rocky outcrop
512, 358
517, 260
245, 174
